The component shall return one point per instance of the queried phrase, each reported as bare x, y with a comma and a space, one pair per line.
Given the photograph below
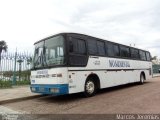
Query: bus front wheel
90, 88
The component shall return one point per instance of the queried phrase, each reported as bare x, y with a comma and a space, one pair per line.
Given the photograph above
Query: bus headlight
54, 90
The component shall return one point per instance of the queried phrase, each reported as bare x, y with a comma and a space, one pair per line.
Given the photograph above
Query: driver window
77, 46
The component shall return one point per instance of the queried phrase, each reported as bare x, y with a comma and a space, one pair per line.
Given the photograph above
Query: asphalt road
133, 98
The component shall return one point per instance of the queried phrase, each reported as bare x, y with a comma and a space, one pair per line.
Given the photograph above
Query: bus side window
92, 47
124, 51
116, 50
112, 49
70, 46
77, 46
134, 53
101, 48
109, 49
142, 55
77, 52
73, 48
81, 46
148, 56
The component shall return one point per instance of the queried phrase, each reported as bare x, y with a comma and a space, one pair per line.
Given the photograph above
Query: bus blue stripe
63, 88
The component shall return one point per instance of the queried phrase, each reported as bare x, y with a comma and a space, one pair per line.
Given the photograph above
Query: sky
129, 22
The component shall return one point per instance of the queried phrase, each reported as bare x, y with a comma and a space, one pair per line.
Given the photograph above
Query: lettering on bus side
116, 63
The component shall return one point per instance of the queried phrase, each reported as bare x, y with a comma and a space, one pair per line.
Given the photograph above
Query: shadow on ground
79, 96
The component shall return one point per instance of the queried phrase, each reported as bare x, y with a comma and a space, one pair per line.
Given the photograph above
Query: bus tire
142, 78
90, 88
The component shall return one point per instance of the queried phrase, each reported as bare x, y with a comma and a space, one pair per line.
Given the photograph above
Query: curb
156, 76
19, 99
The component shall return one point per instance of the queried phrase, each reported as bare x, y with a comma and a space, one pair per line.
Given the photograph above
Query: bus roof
84, 35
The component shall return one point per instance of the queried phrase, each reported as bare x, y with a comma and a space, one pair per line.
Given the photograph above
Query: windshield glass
49, 52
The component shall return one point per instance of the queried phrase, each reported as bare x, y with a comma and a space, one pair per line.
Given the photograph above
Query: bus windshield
49, 52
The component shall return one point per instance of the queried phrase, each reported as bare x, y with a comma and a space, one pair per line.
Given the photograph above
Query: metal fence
15, 66
156, 68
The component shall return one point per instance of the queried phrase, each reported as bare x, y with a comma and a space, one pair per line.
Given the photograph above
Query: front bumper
56, 89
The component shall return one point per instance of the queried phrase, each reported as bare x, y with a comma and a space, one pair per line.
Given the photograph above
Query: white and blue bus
69, 63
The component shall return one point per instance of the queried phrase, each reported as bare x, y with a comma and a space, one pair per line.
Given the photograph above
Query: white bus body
104, 71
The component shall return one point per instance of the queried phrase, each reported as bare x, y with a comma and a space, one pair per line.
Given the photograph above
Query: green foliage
3, 46
5, 84
23, 82
8, 84
22, 73
154, 58
21, 76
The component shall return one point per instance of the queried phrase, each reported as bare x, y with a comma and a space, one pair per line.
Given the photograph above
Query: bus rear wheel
142, 78
90, 88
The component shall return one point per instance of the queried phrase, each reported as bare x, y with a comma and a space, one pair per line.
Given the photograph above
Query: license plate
41, 89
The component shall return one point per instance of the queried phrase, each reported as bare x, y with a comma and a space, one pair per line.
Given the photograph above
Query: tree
3, 47
154, 58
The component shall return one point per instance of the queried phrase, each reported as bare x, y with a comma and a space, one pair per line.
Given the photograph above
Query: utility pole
20, 67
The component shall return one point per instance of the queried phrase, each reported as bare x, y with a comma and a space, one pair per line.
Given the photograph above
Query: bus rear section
50, 81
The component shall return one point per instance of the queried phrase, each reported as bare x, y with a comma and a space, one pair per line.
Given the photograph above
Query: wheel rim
90, 87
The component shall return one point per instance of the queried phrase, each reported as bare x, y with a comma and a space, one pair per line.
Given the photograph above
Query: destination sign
43, 72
